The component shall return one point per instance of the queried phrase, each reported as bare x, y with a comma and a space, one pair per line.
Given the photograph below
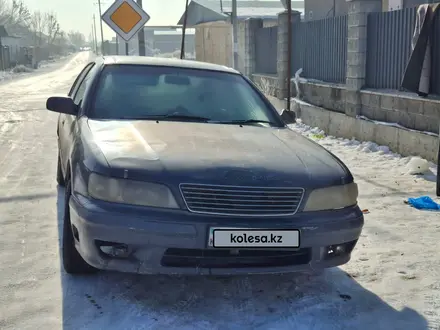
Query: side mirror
288, 116
61, 104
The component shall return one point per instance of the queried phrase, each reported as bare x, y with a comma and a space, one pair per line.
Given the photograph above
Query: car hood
176, 152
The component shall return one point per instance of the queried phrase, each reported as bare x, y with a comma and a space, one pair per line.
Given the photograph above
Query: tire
73, 263
60, 177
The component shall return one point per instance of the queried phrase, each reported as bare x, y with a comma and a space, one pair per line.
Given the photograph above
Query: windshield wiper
247, 121
177, 116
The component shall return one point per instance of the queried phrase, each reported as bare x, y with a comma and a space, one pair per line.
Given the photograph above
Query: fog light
335, 250
116, 250
340, 249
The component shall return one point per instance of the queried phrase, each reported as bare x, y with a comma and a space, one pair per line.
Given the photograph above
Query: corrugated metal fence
388, 47
266, 50
320, 49
5, 58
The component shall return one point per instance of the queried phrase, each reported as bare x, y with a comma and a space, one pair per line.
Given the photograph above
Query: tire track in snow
28, 262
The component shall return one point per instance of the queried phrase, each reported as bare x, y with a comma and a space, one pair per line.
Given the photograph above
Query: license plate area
255, 238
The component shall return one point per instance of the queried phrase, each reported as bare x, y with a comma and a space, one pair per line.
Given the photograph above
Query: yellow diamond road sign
126, 18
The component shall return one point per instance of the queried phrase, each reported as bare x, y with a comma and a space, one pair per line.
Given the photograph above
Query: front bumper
176, 242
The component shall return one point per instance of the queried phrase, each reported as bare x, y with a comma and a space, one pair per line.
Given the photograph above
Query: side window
82, 88
79, 78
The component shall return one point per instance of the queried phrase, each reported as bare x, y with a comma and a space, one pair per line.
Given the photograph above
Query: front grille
210, 258
241, 201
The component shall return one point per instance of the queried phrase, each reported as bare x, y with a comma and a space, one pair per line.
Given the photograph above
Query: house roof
204, 11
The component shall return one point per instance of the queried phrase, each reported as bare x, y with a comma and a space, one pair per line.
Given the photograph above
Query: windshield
145, 92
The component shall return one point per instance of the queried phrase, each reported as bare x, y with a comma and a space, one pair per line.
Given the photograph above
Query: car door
67, 122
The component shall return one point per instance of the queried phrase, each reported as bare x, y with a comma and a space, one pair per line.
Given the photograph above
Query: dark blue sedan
182, 167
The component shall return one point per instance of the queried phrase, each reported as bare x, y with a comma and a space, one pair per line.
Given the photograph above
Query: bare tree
4, 7
76, 38
61, 41
52, 27
37, 27
20, 13
14, 14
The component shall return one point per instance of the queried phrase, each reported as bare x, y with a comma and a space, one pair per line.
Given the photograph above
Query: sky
78, 14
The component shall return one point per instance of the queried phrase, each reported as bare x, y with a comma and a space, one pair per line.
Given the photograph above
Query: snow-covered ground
392, 281
44, 67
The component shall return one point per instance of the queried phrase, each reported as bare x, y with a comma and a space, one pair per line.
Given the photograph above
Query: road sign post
141, 35
126, 18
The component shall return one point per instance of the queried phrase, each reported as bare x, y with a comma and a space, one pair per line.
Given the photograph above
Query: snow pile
413, 165
4, 75
21, 69
417, 165
307, 130
16, 71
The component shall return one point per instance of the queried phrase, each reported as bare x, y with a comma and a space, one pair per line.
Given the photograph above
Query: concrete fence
352, 69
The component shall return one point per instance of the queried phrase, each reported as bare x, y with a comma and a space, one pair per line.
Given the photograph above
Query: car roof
161, 61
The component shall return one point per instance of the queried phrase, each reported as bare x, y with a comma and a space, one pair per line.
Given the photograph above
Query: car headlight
130, 192
331, 198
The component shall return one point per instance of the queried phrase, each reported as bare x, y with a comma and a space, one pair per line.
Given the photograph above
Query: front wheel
73, 263
60, 177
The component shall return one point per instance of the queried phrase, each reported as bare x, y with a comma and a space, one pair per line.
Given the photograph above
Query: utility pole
185, 17
289, 52
234, 34
102, 31
2, 66
117, 44
96, 39
141, 36
93, 39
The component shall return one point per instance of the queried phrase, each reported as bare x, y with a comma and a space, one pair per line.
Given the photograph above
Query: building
389, 5
213, 28
158, 40
319, 9
10, 46
169, 40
